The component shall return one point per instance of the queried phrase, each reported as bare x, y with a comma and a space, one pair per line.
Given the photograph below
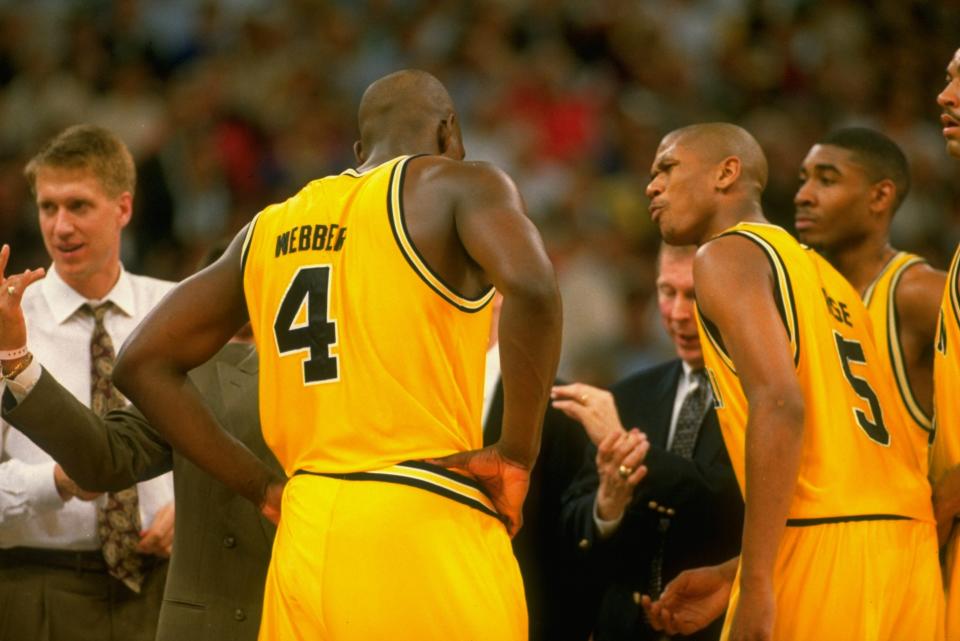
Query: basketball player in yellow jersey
368, 295
839, 541
851, 184
945, 466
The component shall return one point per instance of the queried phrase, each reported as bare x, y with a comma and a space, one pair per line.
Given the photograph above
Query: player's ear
728, 172
443, 136
883, 195
449, 142
358, 152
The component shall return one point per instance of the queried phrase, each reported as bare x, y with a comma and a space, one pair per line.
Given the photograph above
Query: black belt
76, 560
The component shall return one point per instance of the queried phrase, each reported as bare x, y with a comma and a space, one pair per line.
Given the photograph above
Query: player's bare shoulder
728, 257
917, 298
461, 180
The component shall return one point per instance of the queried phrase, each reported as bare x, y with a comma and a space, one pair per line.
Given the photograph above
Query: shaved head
403, 104
715, 141
704, 179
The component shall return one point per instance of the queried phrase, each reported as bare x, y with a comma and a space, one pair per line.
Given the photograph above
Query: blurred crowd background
230, 105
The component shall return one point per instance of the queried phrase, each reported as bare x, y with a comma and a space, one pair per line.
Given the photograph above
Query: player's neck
742, 212
861, 264
387, 150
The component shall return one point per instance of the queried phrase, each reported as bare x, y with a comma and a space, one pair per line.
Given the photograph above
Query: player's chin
674, 235
953, 147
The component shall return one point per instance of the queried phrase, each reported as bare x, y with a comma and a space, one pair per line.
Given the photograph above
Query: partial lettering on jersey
837, 308
715, 386
311, 238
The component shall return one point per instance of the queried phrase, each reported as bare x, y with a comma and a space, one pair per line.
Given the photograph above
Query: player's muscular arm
918, 306
501, 246
185, 330
493, 227
757, 341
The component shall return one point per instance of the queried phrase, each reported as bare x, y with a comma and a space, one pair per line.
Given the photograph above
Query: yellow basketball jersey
857, 462
946, 446
881, 304
946, 377
367, 358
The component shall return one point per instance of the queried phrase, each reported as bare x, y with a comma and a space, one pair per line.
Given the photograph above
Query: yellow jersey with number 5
856, 462
367, 358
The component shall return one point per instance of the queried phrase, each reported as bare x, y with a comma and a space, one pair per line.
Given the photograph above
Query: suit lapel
660, 405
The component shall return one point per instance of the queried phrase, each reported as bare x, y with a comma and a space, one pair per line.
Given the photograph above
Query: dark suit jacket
221, 543
708, 509
561, 600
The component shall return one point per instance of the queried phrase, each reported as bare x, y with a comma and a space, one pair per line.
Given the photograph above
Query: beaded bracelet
20, 352
22, 365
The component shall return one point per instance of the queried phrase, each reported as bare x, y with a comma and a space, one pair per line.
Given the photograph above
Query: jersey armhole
783, 290
413, 257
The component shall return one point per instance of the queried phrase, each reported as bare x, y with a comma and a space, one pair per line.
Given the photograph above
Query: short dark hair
877, 154
673, 251
88, 147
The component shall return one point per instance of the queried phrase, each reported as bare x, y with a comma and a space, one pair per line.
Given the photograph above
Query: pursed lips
655, 209
951, 123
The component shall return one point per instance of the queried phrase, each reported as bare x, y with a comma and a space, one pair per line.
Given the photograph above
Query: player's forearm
774, 442
529, 351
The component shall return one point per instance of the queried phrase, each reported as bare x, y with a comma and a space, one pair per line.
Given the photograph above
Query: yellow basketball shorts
412, 552
871, 580
951, 582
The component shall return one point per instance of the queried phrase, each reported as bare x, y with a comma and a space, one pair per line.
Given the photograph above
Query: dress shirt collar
690, 379
64, 300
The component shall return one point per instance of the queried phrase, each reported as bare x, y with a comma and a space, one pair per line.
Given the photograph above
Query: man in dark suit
560, 598
643, 513
221, 548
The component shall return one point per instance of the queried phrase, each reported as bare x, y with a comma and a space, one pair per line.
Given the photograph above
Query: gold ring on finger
624, 471
11, 290
583, 398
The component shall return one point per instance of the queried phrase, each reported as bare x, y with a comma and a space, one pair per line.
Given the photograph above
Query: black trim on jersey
893, 343
713, 335
846, 519
406, 233
246, 250
955, 287
883, 270
413, 482
777, 294
445, 472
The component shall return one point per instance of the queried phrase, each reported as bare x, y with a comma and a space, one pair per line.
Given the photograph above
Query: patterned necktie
689, 419
118, 521
691, 415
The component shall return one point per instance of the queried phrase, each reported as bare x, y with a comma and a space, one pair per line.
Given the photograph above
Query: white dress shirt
491, 377
31, 511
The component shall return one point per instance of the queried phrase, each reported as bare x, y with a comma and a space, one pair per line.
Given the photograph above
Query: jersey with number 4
367, 358
857, 462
